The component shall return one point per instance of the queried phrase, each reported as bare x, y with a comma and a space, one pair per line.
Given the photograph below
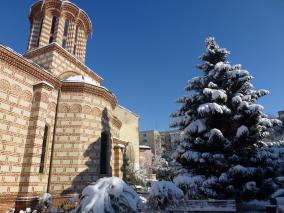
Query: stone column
33, 180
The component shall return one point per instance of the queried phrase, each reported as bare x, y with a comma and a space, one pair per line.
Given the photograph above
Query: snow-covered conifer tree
222, 130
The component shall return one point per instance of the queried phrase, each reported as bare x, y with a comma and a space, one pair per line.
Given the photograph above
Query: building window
51, 39
76, 39
64, 42
53, 23
52, 31
43, 150
66, 26
74, 51
65, 33
104, 153
39, 33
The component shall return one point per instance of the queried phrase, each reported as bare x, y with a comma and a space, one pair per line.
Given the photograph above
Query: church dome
62, 22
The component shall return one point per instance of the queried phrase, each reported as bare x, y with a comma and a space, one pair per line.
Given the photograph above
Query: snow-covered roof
85, 80
81, 78
46, 83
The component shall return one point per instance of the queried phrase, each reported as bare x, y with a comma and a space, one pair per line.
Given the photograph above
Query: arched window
65, 33
52, 30
53, 23
43, 149
76, 39
66, 26
39, 33
104, 153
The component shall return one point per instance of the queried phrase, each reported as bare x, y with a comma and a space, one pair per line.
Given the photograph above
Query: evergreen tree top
213, 55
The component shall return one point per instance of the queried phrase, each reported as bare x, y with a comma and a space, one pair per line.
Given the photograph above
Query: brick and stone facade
56, 135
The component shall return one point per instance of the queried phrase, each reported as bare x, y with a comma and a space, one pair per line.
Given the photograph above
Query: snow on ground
253, 206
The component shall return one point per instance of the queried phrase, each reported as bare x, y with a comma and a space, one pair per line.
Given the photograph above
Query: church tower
60, 130
60, 22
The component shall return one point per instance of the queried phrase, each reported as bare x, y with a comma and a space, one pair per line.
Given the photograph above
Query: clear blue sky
146, 50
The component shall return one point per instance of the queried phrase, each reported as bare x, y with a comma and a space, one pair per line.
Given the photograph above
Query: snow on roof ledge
85, 80
46, 83
81, 78
144, 147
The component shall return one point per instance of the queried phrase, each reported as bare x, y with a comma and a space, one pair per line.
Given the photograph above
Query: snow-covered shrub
11, 210
28, 210
162, 168
131, 175
278, 193
110, 195
222, 131
280, 180
190, 185
46, 201
164, 195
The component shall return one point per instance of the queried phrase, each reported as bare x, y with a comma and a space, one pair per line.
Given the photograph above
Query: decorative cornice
88, 88
45, 85
119, 141
55, 47
16, 60
116, 122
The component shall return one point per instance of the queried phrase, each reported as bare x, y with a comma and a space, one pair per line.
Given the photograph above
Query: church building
59, 128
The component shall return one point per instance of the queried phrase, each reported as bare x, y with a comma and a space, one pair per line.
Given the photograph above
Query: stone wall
26, 106
80, 122
146, 159
129, 132
60, 62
